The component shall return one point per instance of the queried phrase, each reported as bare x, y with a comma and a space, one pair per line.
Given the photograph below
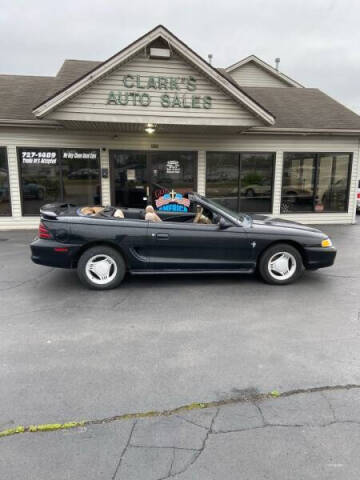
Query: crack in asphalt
198, 452
49, 308
254, 398
190, 421
329, 405
123, 452
287, 425
164, 447
33, 279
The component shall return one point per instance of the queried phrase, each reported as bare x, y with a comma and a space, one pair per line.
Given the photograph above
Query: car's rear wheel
280, 264
101, 268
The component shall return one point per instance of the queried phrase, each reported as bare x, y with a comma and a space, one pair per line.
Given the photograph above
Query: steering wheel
198, 215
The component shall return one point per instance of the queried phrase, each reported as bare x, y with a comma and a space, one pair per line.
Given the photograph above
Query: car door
190, 246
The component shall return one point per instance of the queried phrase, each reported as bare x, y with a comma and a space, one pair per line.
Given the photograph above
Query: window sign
173, 202
40, 157
173, 166
131, 174
80, 155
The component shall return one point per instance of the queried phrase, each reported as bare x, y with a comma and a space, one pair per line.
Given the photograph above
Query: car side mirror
223, 224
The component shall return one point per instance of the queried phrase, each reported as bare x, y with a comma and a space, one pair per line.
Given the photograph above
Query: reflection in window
332, 188
54, 175
81, 176
5, 206
256, 179
315, 182
222, 178
251, 174
298, 182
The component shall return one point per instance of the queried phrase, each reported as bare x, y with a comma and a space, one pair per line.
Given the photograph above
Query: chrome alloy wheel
101, 269
282, 266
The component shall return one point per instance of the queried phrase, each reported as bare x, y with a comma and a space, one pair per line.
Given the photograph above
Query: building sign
41, 157
172, 202
175, 92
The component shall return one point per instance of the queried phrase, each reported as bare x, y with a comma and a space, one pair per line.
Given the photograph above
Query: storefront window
40, 178
222, 178
256, 180
5, 205
54, 175
81, 176
240, 181
298, 187
315, 182
333, 179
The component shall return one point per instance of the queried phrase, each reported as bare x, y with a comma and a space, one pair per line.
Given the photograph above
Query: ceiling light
150, 128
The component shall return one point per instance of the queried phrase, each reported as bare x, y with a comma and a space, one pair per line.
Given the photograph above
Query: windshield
242, 217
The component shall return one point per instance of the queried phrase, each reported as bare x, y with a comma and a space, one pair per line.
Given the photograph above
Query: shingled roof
304, 108
20, 93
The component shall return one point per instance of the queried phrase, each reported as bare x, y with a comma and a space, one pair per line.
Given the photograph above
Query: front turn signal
326, 243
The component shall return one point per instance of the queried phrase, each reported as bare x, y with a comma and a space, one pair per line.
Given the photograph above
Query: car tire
280, 264
101, 268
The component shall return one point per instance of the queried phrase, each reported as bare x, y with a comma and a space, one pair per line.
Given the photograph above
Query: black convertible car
189, 234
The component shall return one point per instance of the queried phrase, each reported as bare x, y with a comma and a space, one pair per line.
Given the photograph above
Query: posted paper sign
131, 174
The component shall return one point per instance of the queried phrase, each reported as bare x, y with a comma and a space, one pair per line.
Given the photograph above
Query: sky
317, 40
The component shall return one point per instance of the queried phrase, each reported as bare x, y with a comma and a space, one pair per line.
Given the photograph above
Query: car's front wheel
280, 264
101, 268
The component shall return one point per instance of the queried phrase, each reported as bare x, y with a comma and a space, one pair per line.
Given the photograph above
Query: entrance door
139, 178
172, 171
130, 187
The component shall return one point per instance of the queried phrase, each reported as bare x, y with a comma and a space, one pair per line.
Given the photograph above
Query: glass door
129, 178
139, 178
171, 171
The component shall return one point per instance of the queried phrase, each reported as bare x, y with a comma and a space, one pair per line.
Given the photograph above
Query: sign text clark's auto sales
178, 92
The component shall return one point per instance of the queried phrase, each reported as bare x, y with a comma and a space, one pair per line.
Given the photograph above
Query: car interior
197, 214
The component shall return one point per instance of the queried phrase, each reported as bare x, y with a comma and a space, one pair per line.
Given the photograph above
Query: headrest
118, 213
149, 209
152, 217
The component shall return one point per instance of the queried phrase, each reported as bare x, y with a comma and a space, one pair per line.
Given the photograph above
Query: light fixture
150, 128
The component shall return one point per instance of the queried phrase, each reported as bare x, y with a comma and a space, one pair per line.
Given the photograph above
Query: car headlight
326, 243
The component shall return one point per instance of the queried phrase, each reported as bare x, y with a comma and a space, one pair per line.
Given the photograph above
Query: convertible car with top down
196, 235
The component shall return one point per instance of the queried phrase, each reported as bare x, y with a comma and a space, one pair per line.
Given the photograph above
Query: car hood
267, 220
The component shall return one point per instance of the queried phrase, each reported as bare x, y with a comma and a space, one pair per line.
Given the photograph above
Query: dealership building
156, 117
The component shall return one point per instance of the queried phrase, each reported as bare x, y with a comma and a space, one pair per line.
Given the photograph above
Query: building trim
9, 122
264, 66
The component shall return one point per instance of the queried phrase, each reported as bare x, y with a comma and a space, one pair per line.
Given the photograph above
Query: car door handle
162, 236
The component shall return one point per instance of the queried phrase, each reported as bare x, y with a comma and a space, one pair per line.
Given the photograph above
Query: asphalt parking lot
70, 354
